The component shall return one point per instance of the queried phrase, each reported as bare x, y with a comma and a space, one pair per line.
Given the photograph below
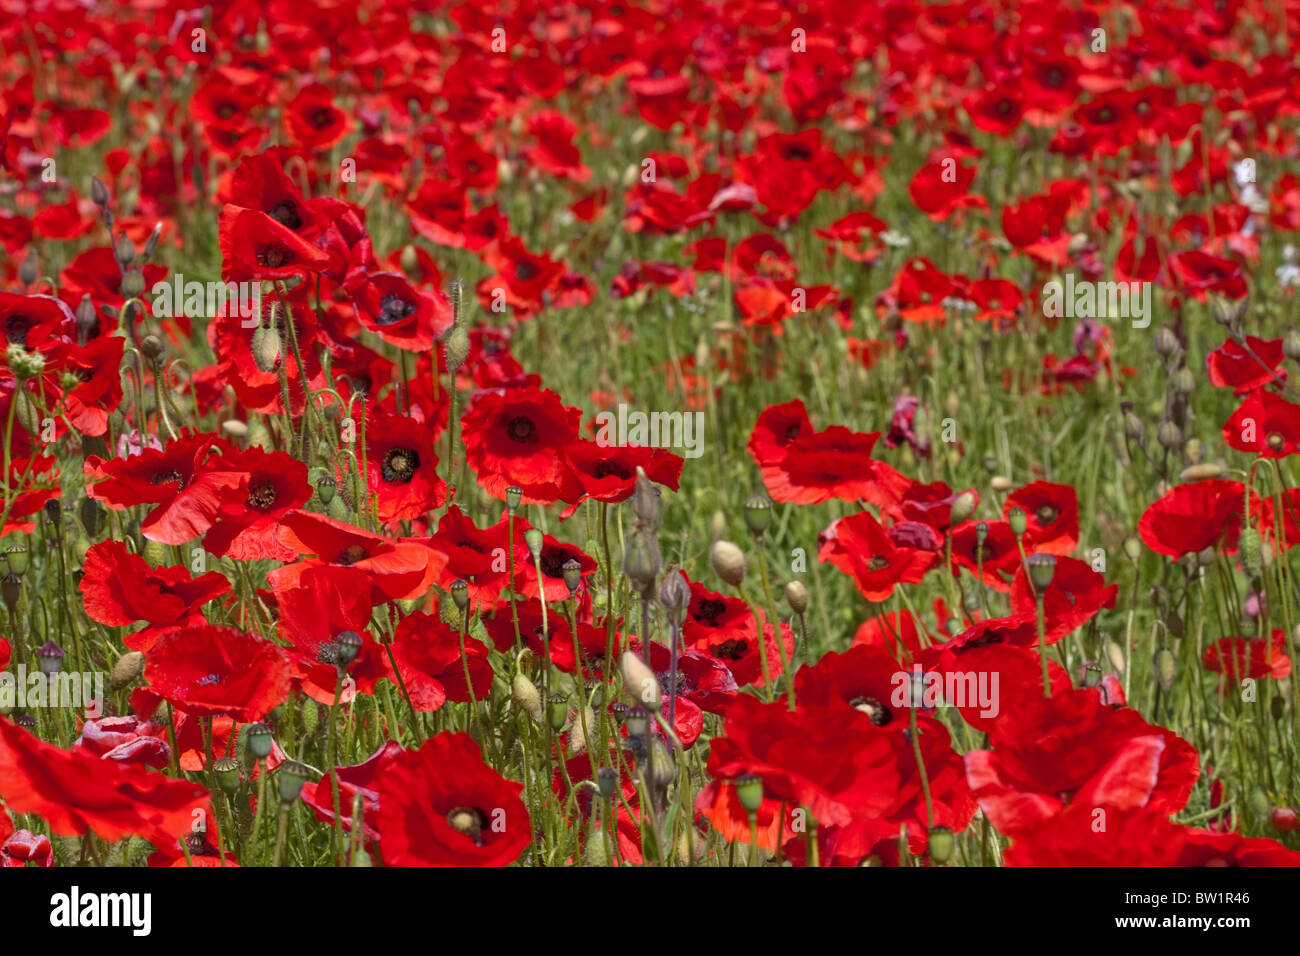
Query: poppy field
638, 433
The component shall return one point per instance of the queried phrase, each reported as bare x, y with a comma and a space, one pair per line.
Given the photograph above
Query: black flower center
273, 256
732, 650
287, 215
261, 494
470, 821
879, 563
352, 554
399, 465
521, 429
393, 309
16, 327
163, 477
878, 713
1046, 514
607, 468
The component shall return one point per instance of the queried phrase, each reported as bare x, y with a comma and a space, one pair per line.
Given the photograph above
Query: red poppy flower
313, 119
1238, 658
181, 480
76, 792
500, 626
442, 805
207, 670
1193, 517
835, 463
326, 602
608, 473
432, 667
1244, 367
1211, 848
128, 740
1137, 836
716, 618
1001, 653
388, 305
516, 437
120, 588
401, 466
255, 246
1075, 596
1200, 274
25, 848
777, 427
32, 321
397, 569
245, 529
555, 554
1264, 424
833, 762
1116, 759
996, 557
1052, 516
863, 548
740, 652
942, 186
357, 779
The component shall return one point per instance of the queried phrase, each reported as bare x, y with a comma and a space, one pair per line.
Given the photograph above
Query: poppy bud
675, 596
128, 667
645, 500
749, 790
606, 780
124, 250
1134, 428
941, 844
1166, 668
1166, 343
1018, 520
661, 768
289, 780
155, 552
572, 571
132, 284
717, 525
513, 496
1194, 451
1133, 547
151, 244
460, 594
728, 562
1000, 483
578, 732
151, 347
991, 464
640, 681
98, 192
310, 714
526, 696
1184, 381
796, 595
266, 347
1115, 654
50, 656
227, 771
235, 428
456, 350
963, 507
1261, 804
758, 514
1251, 549
1169, 435
557, 711
1042, 568
259, 739
347, 647
534, 539
642, 562
11, 586
86, 318
1202, 472
17, 558
1291, 345
30, 269
410, 260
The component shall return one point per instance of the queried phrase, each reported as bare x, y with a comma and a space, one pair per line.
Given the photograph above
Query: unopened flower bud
98, 192
640, 681
675, 596
266, 347
963, 506
1202, 472
1000, 483
30, 268
124, 250
457, 348
796, 595
1166, 668
728, 562
128, 667
1166, 342
1291, 345
526, 696
1169, 435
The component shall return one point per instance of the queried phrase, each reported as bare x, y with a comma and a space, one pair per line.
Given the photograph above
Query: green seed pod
1018, 520
749, 790
155, 552
557, 711
227, 771
593, 851
1261, 804
758, 513
17, 558
289, 779
942, 843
